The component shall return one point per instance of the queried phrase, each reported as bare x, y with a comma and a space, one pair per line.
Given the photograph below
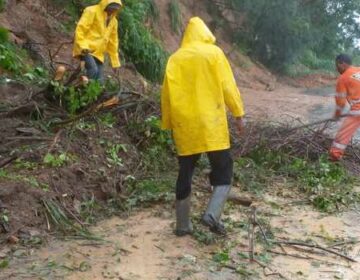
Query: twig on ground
352, 242
251, 232
272, 272
302, 244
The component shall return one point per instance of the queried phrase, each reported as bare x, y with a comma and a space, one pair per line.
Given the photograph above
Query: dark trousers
221, 171
94, 68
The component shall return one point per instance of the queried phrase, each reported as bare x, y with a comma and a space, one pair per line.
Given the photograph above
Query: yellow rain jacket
93, 34
198, 86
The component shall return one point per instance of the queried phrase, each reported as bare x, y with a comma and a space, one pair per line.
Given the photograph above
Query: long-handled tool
319, 122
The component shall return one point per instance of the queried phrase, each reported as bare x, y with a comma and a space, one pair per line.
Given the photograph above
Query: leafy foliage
156, 144
2, 5
76, 98
9, 59
149, 191
279, 32
4, 35
138, 43
175, 16
56, 160
12, 60
113, 157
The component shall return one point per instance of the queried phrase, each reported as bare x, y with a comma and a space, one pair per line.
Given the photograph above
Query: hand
240, 126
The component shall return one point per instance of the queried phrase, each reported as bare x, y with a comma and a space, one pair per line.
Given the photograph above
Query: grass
2, 5
60, 160
12, 60
30, 180
4, 35
175, 16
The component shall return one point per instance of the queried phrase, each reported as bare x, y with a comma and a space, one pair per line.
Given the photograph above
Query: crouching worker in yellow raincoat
97, 34
198, 86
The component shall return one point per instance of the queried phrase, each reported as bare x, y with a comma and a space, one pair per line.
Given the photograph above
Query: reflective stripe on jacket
348, 90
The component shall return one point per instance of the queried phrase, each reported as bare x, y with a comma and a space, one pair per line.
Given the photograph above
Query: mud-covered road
143, 246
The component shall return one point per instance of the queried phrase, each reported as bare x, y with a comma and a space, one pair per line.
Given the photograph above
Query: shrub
175, 15
138, 43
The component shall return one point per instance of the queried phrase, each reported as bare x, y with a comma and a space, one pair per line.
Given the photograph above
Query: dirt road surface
143, 246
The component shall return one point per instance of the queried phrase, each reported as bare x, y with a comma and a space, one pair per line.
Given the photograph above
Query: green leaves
279, 32
138, 43
4, 34
175, 16
76, 98
56, 160
2, 5
327, 185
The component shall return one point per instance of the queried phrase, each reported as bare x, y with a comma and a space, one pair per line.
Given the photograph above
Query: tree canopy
280, 32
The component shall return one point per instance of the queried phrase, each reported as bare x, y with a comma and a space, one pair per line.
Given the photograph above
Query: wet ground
144, 247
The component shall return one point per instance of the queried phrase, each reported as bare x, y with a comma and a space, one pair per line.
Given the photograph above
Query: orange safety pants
344, 136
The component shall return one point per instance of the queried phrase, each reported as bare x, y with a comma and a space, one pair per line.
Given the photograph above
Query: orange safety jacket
348, 90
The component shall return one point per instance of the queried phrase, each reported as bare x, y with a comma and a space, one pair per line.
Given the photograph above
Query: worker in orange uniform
198, 87
347, 91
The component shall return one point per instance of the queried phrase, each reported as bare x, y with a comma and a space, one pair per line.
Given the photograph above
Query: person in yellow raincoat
97, 34
198, 87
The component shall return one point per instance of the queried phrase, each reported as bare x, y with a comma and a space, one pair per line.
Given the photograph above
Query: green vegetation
145, 192
12, 61
138, 43
175, 16
10, 57
282, 33
156, 144
51, 160
4, 35
31, 180
107, 120
327, 185
112, 152
2, 5
73, 99
61, 221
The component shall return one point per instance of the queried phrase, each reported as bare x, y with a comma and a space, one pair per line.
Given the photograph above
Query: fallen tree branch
315, 246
